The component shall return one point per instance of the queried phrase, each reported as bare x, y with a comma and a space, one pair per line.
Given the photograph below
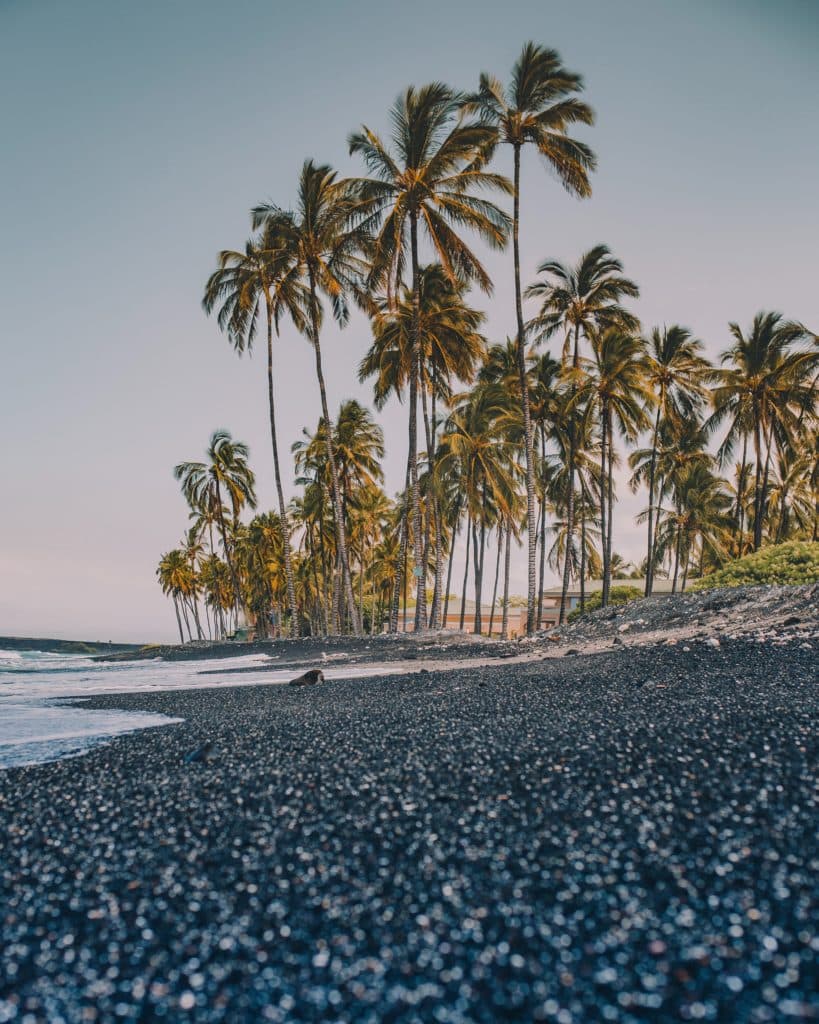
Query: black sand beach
626, 836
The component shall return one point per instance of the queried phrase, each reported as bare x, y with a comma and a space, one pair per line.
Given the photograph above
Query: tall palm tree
675, 373
262, 278
536, 110
326, 254
578, 301
761, 391
225, 476
424, 184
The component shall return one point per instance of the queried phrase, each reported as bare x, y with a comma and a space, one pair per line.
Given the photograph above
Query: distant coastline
52, 646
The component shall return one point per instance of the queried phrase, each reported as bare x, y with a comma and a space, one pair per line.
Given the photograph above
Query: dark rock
308, 678
202, 753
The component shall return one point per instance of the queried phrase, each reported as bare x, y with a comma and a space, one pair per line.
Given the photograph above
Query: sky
136, 137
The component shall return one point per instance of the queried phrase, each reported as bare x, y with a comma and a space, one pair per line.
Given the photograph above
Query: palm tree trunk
195, 609
677, 543
178, 620
495, 587
603, 425
338, 515
651, 473
455, 530
311, 554
406, 582
436, 618
195, 613
401, 568
525, 405
336, 616
185, 618
506, 561
740, 509
480, 555
610, 506
477, 558
570, 486
542, 538
583, 559
431, 519
763, 500
288, 561
466, 572
419, 569
757, 482
228, 555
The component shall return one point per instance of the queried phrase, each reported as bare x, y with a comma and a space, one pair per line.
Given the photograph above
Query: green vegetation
790, 564
617, 595
512, 442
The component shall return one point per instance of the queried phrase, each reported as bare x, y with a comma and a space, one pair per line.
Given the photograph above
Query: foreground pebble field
629, 836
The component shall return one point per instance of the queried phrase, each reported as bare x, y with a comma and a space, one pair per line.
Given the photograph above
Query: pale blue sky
136, 136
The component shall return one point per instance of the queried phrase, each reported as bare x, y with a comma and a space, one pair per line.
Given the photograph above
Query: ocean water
38, 725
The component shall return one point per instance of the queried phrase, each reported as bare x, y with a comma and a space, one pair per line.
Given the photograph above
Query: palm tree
326, 255
173, 573
425, 183
615, 387
451, 350
790, 497
762, 392
701, 513
475, 441
676, 375
262, 277
218, 588
579, 301
226, 475
260, 555
537, 108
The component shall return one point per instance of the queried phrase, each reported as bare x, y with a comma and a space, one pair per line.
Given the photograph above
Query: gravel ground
767, 613
628, 836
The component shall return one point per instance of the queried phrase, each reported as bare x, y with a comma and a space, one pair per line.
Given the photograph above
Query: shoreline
374, 848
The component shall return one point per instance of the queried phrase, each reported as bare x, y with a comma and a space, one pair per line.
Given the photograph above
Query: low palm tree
174, 575
225, 477
536, 110
760, 390
613, 386
475, 441
424, 184
452, 348
578, 302
676, 374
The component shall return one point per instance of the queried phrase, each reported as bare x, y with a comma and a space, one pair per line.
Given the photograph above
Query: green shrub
617, 595
783, 564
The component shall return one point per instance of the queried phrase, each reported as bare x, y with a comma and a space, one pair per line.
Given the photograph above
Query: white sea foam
33, 729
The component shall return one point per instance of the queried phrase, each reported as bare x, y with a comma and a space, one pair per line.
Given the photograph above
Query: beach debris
201, 754
308, 678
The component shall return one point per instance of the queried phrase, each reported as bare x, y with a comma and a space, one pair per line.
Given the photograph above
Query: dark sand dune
628, 836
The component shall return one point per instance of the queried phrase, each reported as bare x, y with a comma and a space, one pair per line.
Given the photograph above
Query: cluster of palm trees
512, 439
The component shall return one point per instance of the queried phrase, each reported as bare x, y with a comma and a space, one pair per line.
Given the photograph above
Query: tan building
517, 616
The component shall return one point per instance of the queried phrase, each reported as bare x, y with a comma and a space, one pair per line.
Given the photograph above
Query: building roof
593, 586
